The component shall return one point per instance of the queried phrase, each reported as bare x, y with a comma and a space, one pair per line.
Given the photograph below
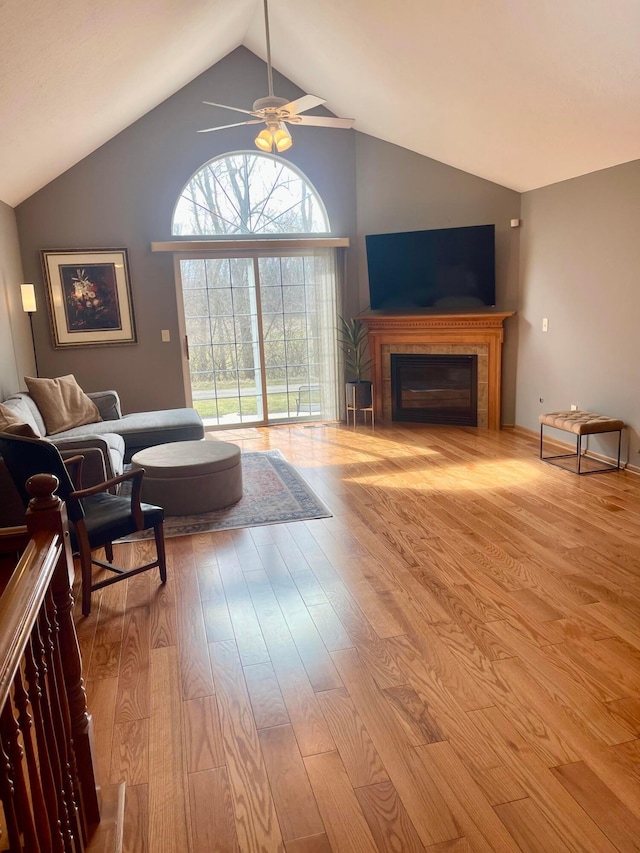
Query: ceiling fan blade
326, 121
306, 102
225, 107
225, 126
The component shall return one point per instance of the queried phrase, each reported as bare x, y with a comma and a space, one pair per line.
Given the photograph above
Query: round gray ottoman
190, 477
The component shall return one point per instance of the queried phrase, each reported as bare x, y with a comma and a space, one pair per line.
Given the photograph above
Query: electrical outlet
574, 408
541, 400
545, 324
166, 336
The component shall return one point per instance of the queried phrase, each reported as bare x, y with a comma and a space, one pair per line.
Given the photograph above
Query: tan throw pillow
23, 430
8, 418
62, 403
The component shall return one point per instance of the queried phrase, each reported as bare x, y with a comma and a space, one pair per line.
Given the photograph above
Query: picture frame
89, 295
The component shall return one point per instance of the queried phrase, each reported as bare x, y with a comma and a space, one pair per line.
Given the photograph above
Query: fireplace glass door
436, 389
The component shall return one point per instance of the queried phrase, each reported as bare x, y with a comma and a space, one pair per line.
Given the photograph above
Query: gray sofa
106, 444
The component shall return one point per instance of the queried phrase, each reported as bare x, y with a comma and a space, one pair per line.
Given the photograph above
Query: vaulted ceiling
521, 92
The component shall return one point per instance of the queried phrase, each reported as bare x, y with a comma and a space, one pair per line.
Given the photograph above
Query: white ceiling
522, 92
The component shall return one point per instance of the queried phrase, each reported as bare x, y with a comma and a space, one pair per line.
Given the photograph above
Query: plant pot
359, 394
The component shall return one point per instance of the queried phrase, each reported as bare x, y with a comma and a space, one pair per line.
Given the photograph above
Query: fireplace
435, 389
478, 334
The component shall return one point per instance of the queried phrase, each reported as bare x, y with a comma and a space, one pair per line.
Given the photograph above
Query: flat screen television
443, 269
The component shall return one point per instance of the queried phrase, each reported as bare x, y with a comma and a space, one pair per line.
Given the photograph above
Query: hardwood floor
449, 663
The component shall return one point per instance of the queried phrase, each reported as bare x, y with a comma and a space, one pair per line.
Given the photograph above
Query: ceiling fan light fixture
276, 137
282, 138
264, 140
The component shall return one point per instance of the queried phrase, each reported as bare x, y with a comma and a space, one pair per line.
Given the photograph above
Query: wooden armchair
97, 516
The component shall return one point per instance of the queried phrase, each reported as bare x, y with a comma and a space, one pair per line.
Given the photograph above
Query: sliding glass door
261, 337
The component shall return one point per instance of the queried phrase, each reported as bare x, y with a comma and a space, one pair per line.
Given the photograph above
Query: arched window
259, 314
249, 194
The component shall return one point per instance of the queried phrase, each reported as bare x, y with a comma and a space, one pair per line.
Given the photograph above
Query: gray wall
124, 194
16, 351
398, 190
580, 268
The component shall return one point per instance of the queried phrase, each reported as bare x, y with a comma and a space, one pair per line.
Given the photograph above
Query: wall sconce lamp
29, 306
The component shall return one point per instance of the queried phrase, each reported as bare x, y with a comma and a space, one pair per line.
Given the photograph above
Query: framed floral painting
89, 294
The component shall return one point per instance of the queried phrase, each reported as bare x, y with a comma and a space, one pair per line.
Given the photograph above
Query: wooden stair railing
48, 786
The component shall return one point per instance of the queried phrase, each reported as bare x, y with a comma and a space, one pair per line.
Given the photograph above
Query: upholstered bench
581, 423
191, 477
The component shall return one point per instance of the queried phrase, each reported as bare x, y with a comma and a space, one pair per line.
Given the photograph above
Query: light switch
166, 336
545, 324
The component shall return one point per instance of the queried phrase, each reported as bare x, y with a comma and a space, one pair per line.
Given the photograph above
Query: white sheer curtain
325, 290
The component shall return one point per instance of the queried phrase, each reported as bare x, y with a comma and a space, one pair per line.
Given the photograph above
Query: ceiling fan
276, 112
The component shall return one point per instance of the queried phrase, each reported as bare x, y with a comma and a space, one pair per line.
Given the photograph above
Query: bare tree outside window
249, 194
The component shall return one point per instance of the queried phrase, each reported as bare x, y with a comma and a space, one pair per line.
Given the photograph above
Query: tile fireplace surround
463, 334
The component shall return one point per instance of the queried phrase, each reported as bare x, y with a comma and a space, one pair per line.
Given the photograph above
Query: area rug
273, 493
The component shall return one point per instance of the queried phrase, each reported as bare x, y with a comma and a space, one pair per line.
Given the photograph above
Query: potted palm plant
352, 338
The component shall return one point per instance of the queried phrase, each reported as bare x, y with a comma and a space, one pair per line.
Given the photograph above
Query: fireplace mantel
480, 333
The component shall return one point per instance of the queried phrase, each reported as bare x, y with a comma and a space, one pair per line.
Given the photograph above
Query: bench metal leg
579, 451
605, 466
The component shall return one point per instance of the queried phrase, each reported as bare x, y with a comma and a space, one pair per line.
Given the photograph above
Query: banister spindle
47, 512
21, 700
50, 630
10, 736
44, 756
53, 730
7, 793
